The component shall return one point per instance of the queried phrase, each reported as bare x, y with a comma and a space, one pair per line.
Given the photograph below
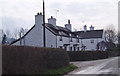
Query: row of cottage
62, 37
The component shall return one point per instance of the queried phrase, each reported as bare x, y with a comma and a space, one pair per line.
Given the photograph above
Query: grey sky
99, 13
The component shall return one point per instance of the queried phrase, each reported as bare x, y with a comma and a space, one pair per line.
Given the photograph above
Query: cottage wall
35, 38
50, 39
91, 43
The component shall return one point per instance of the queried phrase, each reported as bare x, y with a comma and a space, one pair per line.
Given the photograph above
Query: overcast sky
99, 13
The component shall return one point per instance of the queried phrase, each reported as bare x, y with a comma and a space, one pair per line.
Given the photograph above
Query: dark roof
61, 31
90, 34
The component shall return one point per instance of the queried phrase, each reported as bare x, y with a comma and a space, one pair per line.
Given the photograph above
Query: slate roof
61, 31
90, 34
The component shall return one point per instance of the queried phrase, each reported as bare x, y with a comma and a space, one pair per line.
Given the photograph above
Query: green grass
61, 71
54, 72
58, 72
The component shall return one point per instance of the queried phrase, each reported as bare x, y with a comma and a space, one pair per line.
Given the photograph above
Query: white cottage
61, 37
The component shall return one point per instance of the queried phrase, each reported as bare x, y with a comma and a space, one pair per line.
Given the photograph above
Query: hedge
92, 55
32, 60
79, 55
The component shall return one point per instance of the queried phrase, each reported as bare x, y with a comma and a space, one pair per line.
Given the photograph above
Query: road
103, 67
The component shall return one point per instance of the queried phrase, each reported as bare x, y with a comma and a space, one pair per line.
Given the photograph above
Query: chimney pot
68, 26
38, 13
91, 28
68, 21
85, 28
51, 16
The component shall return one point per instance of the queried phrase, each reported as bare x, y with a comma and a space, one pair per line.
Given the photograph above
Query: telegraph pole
44, 36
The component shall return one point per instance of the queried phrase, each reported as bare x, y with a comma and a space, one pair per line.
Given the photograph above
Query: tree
118, 37
110, 34
19, 32
4, 39
16, 33
8, 33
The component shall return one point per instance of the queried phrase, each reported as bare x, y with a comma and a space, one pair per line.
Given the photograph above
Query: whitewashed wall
35, 36
50, 39
66, 40
89, 45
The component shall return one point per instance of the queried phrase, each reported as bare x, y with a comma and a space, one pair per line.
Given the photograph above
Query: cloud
97, 12
15, 23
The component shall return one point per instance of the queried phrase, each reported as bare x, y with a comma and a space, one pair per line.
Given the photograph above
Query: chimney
85, 28
38, 19
68, 26
52, 21
91, 28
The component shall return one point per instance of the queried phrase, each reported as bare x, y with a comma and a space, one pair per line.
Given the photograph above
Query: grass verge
61, 71
53, 72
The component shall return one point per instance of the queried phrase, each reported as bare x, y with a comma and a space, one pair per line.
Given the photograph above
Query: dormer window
78, 40
70, 39
77, 36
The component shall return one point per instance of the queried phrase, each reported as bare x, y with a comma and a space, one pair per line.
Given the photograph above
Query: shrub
87, 55
80, 55
32, 60
99, 55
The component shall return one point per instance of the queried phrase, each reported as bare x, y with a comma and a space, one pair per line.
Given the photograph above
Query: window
70, 48
78, 48
92, 41
60, 47
65, 48
60, 38
78, 40
51, 45
70, 39
74, 48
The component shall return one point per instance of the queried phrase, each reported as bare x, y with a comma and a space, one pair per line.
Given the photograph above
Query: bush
99, 55
32, 60
80, 55
87, 55
92, 55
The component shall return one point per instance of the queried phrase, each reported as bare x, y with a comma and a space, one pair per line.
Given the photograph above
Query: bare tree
8, 33
17, 33
21, 32
110, 34
118, 37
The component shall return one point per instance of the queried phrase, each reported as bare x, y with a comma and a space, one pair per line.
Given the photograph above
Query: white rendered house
60, 37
